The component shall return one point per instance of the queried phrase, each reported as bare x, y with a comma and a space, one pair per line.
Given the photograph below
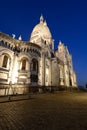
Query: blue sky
67, 20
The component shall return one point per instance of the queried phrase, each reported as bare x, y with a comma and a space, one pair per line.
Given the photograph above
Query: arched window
35, 65
5, 61
23, 62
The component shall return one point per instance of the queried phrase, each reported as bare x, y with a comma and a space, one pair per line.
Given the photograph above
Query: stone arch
6, 60
26, 55
35, 65
24, 62
7, 52
34, 71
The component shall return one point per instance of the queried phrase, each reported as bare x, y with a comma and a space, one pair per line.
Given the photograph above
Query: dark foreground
58, 111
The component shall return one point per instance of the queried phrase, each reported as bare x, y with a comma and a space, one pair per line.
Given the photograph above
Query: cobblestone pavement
59, 111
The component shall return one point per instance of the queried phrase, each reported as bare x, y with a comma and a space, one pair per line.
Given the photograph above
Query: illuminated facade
35, 63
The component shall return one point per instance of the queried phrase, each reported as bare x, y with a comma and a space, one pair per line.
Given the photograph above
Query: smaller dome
41, 31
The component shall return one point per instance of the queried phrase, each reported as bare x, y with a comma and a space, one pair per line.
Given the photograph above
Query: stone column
43, 69
15, 69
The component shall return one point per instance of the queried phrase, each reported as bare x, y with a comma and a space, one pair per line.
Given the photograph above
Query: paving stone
58, 111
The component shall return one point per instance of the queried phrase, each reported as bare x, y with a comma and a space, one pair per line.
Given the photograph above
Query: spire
20, 38
45, 23
41, 19
60, 42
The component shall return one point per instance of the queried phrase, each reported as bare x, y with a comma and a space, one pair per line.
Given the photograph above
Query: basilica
35, 62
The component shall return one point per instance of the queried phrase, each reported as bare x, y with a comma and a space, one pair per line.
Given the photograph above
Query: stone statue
13, 35
20, 38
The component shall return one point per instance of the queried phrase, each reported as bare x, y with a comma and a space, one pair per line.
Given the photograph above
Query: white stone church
35, 62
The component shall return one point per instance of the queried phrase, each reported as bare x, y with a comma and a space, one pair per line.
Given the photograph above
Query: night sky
67, 20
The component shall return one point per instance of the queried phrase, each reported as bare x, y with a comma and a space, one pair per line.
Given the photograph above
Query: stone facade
35, 63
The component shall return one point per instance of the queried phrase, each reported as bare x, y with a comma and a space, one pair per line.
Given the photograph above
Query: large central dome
41, 31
